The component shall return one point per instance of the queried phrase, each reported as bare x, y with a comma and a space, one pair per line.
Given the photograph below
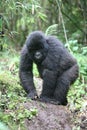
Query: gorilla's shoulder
24, 49
54, 40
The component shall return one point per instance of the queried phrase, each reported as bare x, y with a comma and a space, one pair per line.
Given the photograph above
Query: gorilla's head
37, 46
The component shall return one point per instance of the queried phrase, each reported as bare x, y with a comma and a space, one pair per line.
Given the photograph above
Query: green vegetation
12, 96
65, 19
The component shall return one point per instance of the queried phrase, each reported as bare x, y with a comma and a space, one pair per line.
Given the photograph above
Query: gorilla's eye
32, 49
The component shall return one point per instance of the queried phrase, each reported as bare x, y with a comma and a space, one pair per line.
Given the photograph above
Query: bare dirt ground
54, 117
49, 117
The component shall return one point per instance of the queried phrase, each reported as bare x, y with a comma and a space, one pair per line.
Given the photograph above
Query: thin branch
57, 1
62, 22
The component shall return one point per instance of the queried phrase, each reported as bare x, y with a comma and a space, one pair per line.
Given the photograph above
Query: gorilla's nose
38, 55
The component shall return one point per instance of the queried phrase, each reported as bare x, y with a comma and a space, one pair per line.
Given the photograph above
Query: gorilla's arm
25, 73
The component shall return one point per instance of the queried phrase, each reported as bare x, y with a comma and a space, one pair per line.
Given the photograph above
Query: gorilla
56, 66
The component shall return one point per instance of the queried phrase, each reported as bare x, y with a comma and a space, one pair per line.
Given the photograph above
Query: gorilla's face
36, 52
38, 48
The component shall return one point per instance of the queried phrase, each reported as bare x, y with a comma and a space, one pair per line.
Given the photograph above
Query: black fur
57, 67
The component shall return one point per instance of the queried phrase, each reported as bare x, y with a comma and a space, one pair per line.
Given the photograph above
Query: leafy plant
12, 96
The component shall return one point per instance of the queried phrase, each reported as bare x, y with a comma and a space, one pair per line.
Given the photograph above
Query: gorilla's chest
51, 62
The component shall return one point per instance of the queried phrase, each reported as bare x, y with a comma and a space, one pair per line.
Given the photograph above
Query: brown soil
49, 117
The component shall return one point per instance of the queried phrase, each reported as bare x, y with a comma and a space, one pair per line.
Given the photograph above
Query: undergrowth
12, 95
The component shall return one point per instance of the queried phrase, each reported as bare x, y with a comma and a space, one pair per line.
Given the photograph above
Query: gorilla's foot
49, 100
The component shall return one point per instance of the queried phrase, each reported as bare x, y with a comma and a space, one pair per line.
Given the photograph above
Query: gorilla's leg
63, 83
49, 85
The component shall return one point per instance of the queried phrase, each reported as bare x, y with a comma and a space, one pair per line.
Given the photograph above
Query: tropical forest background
66, 19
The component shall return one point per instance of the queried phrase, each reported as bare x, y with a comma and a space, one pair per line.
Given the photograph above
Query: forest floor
49, 117
54, 117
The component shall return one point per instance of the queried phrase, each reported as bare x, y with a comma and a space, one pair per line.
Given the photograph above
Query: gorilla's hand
32, 95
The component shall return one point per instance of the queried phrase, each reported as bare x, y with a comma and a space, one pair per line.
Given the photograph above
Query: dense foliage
18, 18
